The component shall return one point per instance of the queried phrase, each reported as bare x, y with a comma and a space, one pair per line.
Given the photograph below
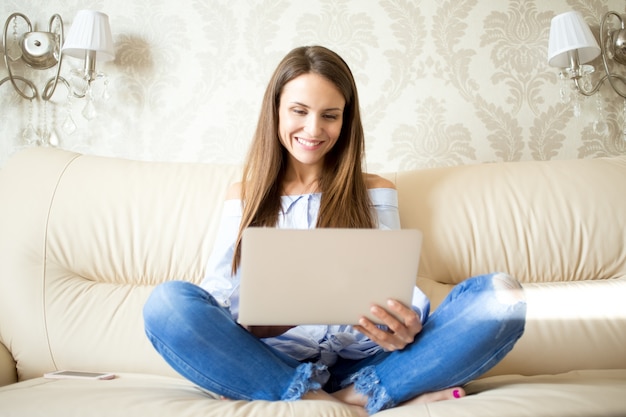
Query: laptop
324, 276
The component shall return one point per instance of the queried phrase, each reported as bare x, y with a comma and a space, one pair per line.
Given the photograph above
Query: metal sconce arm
617, 39
11, 77
47, 95
52, 83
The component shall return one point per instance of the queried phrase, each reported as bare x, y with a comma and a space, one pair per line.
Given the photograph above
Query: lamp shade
90, 31
568, 31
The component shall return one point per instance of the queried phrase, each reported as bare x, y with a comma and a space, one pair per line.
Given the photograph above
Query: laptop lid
324, 276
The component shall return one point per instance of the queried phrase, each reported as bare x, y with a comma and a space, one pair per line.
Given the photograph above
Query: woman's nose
313, 126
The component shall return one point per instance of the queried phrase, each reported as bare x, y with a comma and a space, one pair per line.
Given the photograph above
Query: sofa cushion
582, 393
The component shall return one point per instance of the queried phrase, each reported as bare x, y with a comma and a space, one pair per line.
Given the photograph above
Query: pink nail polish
456, 393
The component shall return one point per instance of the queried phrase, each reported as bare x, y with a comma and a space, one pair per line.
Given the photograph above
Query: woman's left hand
400, 333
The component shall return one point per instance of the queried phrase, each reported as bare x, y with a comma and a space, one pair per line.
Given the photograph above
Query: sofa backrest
541, 221
84, 239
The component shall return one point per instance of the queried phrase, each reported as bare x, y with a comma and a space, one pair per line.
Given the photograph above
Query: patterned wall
441, 82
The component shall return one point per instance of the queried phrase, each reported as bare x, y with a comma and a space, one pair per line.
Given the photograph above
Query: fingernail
456, 393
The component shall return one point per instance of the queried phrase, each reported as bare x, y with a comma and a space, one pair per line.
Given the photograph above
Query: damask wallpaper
441, 82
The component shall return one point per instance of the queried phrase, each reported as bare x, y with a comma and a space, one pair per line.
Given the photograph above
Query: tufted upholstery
84, 239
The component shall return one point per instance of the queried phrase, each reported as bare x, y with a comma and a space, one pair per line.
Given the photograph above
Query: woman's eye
299, 111
331, 116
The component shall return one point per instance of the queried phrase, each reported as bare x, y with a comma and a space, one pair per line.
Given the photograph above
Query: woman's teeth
308, 142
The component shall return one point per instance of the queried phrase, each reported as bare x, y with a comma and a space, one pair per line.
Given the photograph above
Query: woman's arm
219, 280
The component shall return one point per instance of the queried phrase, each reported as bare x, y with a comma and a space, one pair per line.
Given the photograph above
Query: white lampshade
568, 31
90, 31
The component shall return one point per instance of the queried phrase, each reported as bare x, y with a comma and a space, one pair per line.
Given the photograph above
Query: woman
303, 171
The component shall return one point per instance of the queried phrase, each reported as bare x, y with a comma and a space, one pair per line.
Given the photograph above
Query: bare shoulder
376, 181
234, 191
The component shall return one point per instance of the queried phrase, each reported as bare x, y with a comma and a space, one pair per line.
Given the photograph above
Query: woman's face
310, 117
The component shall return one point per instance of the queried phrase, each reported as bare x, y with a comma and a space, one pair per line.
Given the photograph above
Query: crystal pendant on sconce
577, 106
568, 92
78, 82
89, 112
565, 90
106, 95
29, 135
47, 137
44, 136
586, 81
600, 125
68, 125
53, 139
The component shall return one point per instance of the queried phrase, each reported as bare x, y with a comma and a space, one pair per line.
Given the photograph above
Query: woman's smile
308, 143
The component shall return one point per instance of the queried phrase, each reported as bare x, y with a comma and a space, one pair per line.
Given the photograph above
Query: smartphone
78, 375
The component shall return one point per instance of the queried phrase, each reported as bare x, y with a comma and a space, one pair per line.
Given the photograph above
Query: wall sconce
572, 45
89, 38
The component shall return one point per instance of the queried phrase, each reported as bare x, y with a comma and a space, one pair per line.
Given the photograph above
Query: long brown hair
345, 202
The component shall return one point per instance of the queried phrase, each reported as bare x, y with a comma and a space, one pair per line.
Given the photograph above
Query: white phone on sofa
78, 375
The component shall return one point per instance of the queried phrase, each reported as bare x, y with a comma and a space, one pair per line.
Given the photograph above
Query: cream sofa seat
84, 239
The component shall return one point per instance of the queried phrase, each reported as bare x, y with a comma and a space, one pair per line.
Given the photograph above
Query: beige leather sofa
84, 239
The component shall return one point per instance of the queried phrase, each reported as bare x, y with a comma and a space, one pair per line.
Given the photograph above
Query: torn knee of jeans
304, 380
367, 383
508, 290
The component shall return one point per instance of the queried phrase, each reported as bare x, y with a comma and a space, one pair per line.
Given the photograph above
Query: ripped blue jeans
470, 332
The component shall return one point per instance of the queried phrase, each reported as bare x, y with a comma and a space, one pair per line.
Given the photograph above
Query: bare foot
356, 402
324, 396
429, 397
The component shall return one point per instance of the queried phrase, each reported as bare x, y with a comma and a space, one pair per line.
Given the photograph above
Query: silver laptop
324, 276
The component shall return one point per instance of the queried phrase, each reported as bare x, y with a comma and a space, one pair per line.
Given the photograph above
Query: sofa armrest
8, 370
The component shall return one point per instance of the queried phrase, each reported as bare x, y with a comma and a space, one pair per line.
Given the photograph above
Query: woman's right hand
400, 331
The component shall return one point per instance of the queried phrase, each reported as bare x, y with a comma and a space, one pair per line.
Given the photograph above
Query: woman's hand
401, 332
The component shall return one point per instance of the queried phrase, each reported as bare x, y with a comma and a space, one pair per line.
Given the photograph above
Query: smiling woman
304, 171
